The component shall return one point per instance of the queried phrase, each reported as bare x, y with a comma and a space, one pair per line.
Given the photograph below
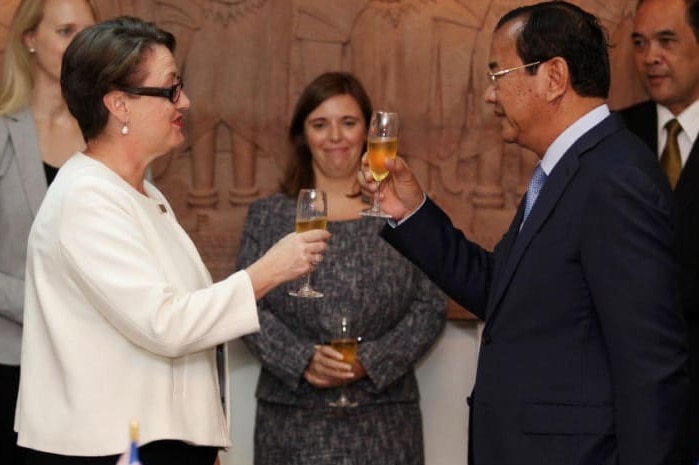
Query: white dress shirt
570, 135
688, 119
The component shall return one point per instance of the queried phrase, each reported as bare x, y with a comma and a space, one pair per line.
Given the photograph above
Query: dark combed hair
299, 170
560, 29
693, 16
104, 57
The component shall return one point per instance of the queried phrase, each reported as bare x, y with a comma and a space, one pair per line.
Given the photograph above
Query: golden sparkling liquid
347, 347
315, 223
380, 149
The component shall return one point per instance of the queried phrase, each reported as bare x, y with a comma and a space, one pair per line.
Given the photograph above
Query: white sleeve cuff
394, 224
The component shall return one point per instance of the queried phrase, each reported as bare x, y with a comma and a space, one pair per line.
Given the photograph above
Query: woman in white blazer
37, 135
121, 319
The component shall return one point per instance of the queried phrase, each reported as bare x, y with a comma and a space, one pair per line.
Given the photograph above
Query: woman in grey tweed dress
392, 306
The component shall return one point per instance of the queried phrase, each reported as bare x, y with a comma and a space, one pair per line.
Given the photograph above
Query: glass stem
307, 281
376, 196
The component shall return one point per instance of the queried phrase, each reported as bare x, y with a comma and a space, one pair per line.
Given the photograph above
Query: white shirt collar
689, 120
572, 133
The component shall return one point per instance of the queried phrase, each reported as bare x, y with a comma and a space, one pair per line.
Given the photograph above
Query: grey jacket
392, 305
22, 187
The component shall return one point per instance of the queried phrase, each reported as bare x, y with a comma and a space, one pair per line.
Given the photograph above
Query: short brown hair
104, 57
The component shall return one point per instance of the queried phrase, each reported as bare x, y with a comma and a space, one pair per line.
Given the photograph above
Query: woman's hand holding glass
336, 365
293, 256
311, 214
344, 342
327, 368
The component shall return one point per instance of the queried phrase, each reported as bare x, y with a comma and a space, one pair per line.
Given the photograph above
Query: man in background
666, 55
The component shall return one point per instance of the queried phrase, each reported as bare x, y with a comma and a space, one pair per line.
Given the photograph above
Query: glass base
374, 212
343, 402
306, 292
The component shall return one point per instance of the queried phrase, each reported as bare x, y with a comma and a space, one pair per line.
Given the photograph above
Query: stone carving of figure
415, 58
228, 58
235, 78
426, 59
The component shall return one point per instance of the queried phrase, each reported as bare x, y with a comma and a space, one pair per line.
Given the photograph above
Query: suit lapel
687, 189
23, 134
644, 123
504, 247
553, 189
545, 203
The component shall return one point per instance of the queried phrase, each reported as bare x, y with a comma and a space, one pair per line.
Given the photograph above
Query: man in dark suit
666, 55
583, 354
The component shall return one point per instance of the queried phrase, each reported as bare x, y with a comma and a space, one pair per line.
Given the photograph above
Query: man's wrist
393, 223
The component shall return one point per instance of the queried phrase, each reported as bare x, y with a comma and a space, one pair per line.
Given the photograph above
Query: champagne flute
344, 343
311, 213
382, 144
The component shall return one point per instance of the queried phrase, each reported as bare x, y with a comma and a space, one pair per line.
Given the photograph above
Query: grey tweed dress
395, 309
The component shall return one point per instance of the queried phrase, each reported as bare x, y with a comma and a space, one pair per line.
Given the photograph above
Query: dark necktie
536, 183
670, 160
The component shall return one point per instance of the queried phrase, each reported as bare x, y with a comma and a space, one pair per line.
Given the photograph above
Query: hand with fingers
400, 194
293, 256
326, 368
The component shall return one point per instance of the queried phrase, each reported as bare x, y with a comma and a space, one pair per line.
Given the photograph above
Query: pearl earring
32, 50
124, 129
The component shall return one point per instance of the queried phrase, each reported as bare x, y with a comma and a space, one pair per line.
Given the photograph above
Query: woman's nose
335, 132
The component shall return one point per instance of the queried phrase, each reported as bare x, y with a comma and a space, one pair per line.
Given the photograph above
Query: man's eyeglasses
494, 76
171, 93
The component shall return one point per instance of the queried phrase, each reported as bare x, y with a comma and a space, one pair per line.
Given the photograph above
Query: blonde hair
17, 82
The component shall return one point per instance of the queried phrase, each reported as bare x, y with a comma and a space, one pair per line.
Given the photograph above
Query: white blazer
121, 321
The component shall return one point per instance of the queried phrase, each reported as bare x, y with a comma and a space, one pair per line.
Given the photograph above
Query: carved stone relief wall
244, 63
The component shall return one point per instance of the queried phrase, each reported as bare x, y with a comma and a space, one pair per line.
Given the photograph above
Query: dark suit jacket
582, 359
641, 119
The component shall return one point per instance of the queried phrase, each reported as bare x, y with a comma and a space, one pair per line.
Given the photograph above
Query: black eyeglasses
171, 93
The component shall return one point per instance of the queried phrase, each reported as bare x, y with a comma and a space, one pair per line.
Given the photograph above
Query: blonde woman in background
37, 134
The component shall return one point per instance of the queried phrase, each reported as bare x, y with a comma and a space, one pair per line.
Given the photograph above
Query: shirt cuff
394, 224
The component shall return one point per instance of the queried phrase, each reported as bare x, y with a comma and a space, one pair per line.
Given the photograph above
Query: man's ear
558, 77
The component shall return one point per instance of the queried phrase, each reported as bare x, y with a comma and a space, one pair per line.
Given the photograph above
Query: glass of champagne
311, 213
344, 343
382, 144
